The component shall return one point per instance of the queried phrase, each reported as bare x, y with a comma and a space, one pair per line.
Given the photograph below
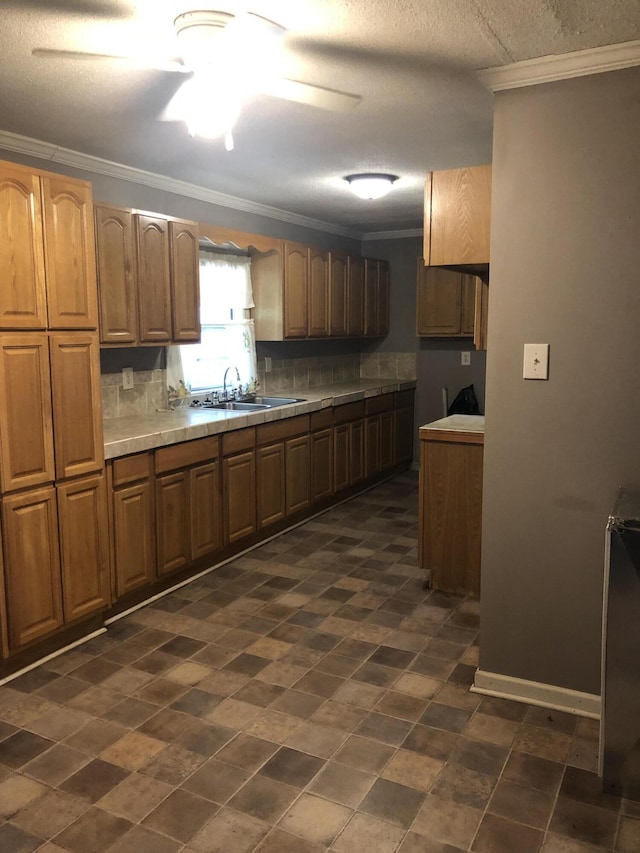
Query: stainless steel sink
275, 401
253, 404
239, 406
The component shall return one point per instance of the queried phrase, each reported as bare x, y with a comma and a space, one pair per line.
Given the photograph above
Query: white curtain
228, 335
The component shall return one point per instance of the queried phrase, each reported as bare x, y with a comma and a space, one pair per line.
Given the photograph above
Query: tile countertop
135, 433
457, 423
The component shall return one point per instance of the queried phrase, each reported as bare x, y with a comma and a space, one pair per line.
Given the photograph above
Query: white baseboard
537, 693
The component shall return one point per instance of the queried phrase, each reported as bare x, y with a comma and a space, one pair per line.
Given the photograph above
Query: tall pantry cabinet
53, 506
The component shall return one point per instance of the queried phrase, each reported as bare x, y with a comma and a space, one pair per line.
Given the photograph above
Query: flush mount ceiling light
370, 185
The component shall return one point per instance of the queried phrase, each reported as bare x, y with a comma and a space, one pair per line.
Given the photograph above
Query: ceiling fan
229, 58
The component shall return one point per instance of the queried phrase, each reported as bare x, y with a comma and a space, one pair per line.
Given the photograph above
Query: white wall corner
537, 693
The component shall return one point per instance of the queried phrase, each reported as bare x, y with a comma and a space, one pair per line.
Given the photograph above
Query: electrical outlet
465, 359
536, 361
267, 364
127, 378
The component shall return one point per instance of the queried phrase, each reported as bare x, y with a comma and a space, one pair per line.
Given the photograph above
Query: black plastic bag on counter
465, 403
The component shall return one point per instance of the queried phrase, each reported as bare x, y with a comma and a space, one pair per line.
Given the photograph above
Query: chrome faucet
224, 381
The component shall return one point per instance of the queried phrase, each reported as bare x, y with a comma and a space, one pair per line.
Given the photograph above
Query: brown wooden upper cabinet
47, 251
457, 215
376, 298
450, 304
148, 278
303, 292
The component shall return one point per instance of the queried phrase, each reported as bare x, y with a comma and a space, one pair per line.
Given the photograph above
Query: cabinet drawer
130, 469
322, 419
278, 430
186, 453
238, 441
403, 399
349, 412
377, 405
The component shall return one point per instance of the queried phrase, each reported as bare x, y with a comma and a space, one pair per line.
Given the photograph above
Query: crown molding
392, 235
97, 166
561, 66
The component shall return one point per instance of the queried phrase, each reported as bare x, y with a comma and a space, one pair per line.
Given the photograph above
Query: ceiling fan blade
314, 96
155, 63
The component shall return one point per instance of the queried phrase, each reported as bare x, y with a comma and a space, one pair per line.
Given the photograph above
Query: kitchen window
228, 334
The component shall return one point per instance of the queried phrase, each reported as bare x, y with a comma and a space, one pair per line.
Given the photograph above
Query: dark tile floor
307, 696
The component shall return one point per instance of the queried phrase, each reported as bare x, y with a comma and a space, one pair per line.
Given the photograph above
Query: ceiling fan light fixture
370, 185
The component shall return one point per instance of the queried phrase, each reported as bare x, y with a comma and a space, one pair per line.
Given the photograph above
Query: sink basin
239, 406
275, 401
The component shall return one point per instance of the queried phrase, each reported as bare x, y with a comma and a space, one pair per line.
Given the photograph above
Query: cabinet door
77, 417
439, 301
116, 279
31, 565
387, 440
84, 546
356, 451
173, 529
295, 290
384, 297
23, 301
152, 273
26, 431
460, 216
270, 483
371, 446
239, 495
371, 297
133, 537
468, 304
338, 294
341, 456
321, 464
70, 253
404, 435
206, 509
356, 297
298, 467
185, 280
318, 293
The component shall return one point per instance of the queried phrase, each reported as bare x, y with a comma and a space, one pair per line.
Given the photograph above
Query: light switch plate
465, 358
536, 361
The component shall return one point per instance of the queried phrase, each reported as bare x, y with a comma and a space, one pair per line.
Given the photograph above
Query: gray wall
565, 256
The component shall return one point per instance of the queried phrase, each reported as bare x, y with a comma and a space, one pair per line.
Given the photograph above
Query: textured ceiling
412, 61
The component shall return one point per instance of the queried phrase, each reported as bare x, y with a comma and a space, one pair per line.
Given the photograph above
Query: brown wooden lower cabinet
206, 510
173, 529
239, 489
321, 464
356, 452
372, 446
404, 430
33, 587
134, 549
387, 440
341, 441
270, 484
84, 546
298, 470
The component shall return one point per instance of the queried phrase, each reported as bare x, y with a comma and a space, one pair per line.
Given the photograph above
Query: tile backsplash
149, 393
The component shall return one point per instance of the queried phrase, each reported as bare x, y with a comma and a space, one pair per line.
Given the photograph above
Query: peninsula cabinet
457, 216
47, 252
133, 523
148, 277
